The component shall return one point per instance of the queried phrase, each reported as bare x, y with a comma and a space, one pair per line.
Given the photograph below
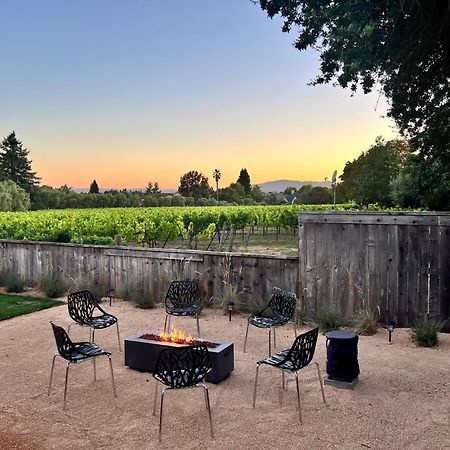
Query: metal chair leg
161, 414
208, 407
270, 341
95, 369
321, 383
256, 385
165, 323
112, 377
246, 334
274, 340
295, 330
65, 386
154, 400
51, 374
168, 325
198, 327
118, 336
298, 398
92, 336
283, 380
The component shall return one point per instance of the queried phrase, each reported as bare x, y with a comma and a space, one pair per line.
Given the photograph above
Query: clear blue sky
132, 91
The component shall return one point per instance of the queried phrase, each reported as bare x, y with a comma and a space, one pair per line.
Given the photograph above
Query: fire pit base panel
141, 354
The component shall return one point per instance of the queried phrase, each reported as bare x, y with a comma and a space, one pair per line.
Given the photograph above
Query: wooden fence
398, 262
347, 261
113, 266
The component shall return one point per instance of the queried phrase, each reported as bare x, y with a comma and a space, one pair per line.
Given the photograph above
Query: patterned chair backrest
182, 367
302, 351
81, 306
283, 303
183, 293
63, 342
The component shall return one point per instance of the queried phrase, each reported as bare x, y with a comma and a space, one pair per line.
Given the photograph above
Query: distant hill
281, 185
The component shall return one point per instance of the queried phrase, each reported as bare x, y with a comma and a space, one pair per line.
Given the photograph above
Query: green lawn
17, 305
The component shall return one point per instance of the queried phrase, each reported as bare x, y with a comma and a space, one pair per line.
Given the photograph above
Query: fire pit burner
156, 337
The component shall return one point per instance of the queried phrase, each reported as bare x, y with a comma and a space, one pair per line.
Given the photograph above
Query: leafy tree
194, 184
234, 193
217, 175
402, 46
152, 188
13, 197
93, 189
368, 178
412, 187
290, 190
257, 194
314, 195
15, 165
244, 180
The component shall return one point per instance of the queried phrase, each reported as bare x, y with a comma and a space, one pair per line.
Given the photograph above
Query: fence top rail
375, 218
144, 252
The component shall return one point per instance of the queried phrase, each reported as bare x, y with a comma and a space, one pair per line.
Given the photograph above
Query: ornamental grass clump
14, 283
425, 332
134, 291
52, 286
329, 320
366, 321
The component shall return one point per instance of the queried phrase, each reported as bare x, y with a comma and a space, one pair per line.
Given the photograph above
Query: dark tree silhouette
244, 180
93, 189
217, 175
194, 184
15, 165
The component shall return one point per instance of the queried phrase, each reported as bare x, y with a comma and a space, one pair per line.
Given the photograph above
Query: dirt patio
401, 401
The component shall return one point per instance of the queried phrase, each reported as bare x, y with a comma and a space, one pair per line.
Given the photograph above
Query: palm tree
216, 176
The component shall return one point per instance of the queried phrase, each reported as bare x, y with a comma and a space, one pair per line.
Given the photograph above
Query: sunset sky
131, 91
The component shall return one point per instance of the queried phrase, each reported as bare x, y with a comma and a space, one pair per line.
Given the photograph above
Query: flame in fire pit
177, 336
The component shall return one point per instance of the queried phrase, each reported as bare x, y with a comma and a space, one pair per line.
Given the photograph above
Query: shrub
253, 305
134, 291
329, 320
425, 332
366, 321
52, 286
93, 286
14, 283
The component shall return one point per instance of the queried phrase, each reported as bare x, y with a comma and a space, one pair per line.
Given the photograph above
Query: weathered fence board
397, 262
113, 266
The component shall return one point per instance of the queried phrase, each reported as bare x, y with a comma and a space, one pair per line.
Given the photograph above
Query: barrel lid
340, 335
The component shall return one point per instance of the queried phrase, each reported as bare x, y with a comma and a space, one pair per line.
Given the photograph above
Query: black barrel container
342, 356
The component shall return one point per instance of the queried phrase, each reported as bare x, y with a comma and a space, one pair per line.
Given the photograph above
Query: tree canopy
15, 165
194, 184
244, 180
399, 46
93, 188
368, 178
13, 197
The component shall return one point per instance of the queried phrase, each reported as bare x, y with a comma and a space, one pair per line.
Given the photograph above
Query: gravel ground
401, 400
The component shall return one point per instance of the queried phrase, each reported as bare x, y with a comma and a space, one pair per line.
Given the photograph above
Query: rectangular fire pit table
141, 354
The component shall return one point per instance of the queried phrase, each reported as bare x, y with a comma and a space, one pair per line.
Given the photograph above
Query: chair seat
267, 322
276, 359
191, 310
103, 321
82, 351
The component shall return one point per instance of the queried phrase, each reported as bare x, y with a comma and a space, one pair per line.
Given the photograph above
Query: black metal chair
183, 298
82, 306
74, 353
281, 308
292, 360
179, 368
